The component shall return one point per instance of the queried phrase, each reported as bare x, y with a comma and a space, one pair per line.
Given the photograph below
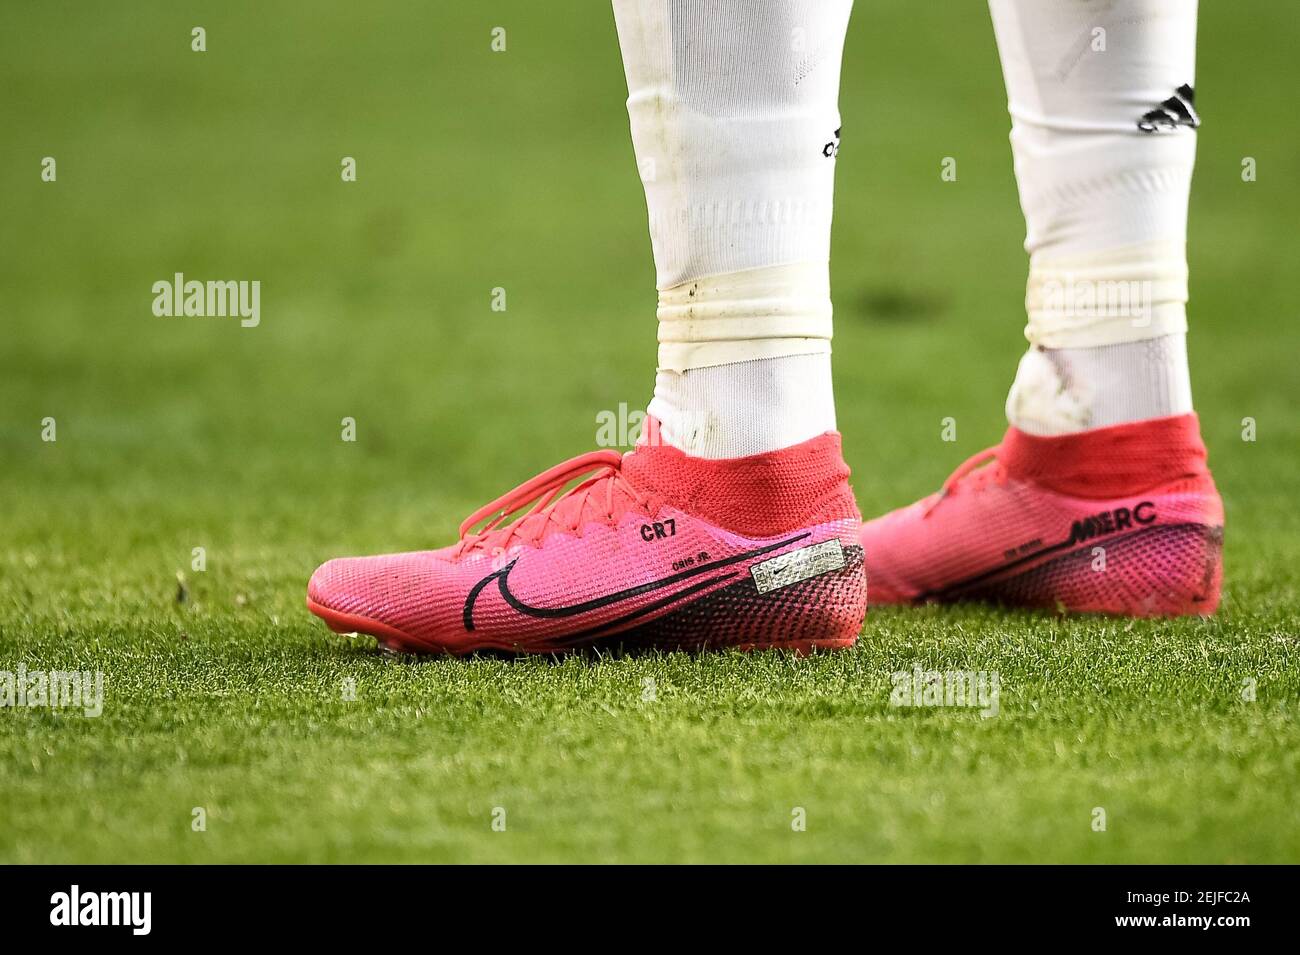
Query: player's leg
1099, 497
735, 121
732, 523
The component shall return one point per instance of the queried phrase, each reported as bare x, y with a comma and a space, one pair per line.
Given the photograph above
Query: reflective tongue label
797, 565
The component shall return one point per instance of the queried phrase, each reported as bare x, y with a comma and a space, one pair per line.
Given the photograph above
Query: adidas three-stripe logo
1176, 111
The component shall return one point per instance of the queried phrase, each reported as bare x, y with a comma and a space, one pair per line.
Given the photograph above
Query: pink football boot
652, 549
1122, 520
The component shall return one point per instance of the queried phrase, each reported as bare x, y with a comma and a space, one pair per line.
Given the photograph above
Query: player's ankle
744, 408
1065, 390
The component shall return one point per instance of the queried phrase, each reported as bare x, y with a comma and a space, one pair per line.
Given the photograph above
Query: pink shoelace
981, 478
546, 492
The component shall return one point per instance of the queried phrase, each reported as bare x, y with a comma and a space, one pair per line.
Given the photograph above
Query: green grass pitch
479, 170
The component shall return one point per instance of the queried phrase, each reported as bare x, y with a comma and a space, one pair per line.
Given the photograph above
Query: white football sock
1062, 390
748, 407
735, 123
1103, 135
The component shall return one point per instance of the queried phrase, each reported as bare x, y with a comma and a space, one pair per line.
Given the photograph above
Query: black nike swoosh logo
596, 603
952, 589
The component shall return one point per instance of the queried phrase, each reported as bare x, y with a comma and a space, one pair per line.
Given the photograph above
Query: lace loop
976, 460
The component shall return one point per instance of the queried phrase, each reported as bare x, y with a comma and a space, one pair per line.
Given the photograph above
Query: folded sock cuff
1108, 462
761, 495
